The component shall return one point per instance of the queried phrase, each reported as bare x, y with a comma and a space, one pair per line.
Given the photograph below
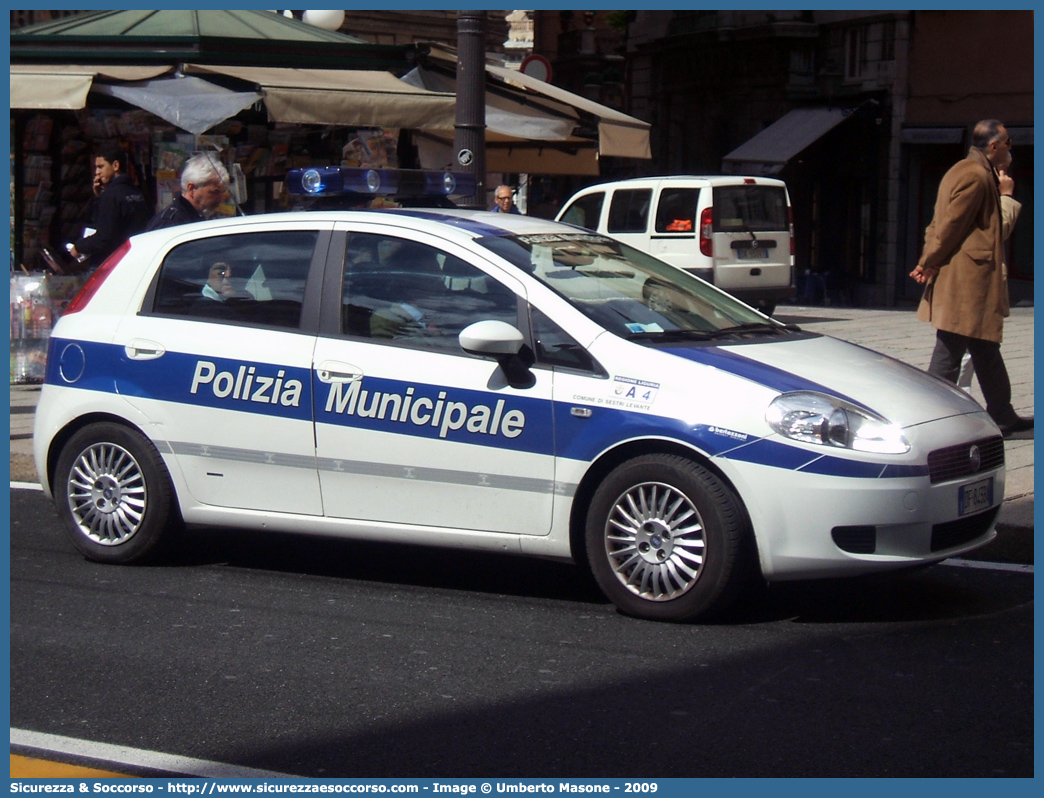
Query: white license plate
975, 497
751, 254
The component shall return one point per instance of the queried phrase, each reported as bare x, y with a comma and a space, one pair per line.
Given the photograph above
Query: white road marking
26, 486
114, 755
989, 566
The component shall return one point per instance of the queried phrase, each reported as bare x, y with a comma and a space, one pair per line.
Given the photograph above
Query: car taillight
707, 232
790, 221
90, 288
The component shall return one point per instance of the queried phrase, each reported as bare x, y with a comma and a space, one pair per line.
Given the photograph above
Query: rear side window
629, 211
676, 210
586, 211
247, 278
740, 209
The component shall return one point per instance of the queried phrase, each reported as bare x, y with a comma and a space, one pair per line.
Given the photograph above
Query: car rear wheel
667, 539
114, 495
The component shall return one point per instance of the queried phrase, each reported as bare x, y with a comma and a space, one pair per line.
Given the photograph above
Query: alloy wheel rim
107, 494
655, 541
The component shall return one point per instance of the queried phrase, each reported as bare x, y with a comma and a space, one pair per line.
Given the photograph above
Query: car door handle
140, 349
330, 371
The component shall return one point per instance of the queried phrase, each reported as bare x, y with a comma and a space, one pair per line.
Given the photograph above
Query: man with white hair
504, 199
204, 186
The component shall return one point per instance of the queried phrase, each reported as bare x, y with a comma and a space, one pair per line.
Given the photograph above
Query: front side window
629, 211
586, 211
402, 291
245, 278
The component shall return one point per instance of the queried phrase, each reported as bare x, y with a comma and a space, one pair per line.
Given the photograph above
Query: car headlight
826, 420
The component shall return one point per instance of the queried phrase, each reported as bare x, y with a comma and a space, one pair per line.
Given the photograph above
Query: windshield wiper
751, 328
755, 327
671, 335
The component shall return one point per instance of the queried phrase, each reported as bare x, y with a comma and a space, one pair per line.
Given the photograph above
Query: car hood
895, 390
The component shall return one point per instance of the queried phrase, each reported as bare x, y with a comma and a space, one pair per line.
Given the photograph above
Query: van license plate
750, 254
976, 496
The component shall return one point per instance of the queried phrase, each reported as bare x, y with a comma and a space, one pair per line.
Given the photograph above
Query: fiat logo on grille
974, 458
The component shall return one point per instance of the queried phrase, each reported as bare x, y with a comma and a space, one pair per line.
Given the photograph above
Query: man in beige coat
963, 269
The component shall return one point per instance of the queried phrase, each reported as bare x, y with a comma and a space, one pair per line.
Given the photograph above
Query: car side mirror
492, 339
503, 343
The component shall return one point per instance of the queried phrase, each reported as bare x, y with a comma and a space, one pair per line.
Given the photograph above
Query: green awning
245, 37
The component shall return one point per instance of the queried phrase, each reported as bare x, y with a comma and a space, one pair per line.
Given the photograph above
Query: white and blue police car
494, 382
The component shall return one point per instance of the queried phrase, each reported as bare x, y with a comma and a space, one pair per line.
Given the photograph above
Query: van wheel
667, 540
114, 495
768, 309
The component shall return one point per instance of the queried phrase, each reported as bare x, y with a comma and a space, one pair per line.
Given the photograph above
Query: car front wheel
114, 495
667, 539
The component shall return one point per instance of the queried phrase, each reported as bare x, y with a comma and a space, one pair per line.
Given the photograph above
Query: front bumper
811, 525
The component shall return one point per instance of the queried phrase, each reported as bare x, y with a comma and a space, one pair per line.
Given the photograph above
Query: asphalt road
334, 659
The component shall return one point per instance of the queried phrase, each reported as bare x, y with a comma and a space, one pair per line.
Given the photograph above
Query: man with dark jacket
117, 213
964, 273
204, 186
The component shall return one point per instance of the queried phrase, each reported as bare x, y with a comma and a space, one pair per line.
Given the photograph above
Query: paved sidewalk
898, 333
23, 405
894, 332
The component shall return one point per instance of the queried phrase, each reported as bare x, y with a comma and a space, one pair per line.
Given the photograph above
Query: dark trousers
989, 369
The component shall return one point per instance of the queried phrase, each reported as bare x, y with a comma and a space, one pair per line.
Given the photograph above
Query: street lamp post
469, 134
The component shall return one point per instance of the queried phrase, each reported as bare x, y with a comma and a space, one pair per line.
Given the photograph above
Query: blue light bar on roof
324, 181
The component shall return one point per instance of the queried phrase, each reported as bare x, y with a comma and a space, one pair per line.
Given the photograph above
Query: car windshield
626, 291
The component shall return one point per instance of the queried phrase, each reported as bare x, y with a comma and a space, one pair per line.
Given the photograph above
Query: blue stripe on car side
775, 453
398, 407
232, 386
106, 368
839, 467
585, 438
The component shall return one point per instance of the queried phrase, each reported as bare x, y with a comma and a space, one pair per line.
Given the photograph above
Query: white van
732, 231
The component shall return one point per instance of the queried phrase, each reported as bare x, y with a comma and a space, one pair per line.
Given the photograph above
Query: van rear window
750, 208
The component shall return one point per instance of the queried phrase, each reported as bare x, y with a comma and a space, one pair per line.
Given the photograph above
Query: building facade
861, 112
874, 107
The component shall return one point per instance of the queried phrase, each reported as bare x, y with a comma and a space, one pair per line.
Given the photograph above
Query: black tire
768, 309
667, 540
114, 495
